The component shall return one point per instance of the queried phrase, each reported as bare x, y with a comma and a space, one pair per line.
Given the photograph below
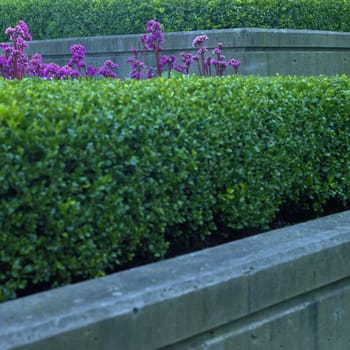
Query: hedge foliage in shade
98, 174
78, 18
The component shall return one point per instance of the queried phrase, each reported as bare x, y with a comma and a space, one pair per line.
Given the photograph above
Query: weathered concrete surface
284, 289
261, 51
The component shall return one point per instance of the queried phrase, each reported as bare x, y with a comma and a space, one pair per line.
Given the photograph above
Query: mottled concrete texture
261, 51
284, 289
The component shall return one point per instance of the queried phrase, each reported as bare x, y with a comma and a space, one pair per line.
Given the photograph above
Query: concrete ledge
261, 51
284, 289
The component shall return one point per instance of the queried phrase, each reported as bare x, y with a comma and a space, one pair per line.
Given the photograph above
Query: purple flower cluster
199, 40
169, 62
107, 69
153, 37
78, 56
187, 60
137, 67
218, 62
152, 40
20, 31
14, 64
235, 64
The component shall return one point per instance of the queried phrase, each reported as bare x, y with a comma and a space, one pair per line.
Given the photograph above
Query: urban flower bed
15, 64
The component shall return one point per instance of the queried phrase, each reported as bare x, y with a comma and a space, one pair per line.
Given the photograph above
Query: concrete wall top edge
233, 38
238, 264
211, 31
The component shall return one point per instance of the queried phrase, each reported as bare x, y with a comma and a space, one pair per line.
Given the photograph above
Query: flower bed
14, 64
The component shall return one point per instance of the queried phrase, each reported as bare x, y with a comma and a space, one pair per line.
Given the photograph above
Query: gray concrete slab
261, 283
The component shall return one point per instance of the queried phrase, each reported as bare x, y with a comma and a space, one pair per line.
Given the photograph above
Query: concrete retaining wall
284, 289
261, 51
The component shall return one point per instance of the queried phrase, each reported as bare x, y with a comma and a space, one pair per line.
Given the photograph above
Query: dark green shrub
65, 18
98, 175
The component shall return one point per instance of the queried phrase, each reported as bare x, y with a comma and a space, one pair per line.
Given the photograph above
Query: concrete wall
261, 51
285, 289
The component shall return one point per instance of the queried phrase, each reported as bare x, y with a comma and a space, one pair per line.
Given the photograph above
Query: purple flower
168, 60
7, 48
198, 40
151, 73
35, 67
24, 30
136, 66
78, 56
234, 63
218, 52
21, 30
78, 50
21, 43
187, 60
153, 26
154, 37
81, 65
110, 64
91, 71
66, 72
202, 50
186, 57
136, 75
152, 40
106, 69
50, 70
17, 64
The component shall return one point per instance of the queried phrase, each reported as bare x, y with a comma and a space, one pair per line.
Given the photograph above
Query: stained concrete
284, 289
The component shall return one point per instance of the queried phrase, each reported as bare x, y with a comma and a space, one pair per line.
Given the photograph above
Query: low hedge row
65, 18
99, 174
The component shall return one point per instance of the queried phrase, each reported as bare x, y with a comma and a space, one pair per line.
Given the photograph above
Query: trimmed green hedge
65, 18
99, 174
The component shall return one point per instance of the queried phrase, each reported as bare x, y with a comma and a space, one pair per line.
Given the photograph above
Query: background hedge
97, 175
66, 18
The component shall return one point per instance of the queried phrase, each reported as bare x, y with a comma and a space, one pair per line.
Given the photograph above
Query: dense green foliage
97, 174
66, 18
